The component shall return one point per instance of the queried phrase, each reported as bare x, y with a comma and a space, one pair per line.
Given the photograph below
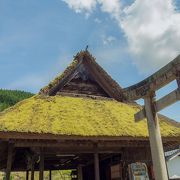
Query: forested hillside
10, 97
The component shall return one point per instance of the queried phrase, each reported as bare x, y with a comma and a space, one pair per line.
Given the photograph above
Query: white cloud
79, 6
111, 6
87, 6
97, 20
151, 27
107, 40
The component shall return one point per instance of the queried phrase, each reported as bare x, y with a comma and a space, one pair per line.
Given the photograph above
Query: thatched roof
81, 115
62, 115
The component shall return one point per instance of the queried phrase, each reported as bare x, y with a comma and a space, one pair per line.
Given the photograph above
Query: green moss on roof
64, 115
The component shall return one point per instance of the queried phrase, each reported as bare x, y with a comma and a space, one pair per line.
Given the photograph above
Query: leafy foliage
10, 97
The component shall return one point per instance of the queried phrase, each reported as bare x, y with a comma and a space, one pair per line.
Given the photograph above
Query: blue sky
130, 39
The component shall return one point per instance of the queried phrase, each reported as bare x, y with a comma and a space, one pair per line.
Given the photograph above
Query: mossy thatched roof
62, 115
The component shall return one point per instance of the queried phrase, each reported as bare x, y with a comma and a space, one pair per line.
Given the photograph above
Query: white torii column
159, 164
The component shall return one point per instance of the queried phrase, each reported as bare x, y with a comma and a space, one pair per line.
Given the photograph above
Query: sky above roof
130, 39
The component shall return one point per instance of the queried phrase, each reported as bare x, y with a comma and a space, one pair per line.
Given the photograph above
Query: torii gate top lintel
150, 85
156, 81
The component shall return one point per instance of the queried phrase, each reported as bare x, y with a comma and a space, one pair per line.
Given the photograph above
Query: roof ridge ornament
87, 48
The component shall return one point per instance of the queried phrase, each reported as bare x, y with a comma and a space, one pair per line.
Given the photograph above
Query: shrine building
81, 121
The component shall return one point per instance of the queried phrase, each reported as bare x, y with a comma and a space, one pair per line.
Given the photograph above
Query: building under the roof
82, 121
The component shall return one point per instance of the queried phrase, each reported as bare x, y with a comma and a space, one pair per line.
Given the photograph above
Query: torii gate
146, 89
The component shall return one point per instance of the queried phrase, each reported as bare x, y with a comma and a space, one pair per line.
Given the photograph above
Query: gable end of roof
110, 86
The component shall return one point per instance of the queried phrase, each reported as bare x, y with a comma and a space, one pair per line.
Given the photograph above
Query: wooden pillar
159, 164
41, 165
50, 175
32, 167
27, 175
9, 161
80, 173
96, 166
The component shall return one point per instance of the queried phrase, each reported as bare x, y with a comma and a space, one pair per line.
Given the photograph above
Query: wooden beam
41, 165
32, 167
51, 151
157, 152
50, 175
86, 146
160, 104
140, 115
80, 173
96, 166
9, 161
83, 95
167, 100
27, 175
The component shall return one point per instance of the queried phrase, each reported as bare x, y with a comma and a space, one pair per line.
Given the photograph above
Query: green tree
10, 97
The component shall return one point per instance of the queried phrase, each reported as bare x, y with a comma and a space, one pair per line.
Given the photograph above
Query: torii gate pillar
159, 164
146, 89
